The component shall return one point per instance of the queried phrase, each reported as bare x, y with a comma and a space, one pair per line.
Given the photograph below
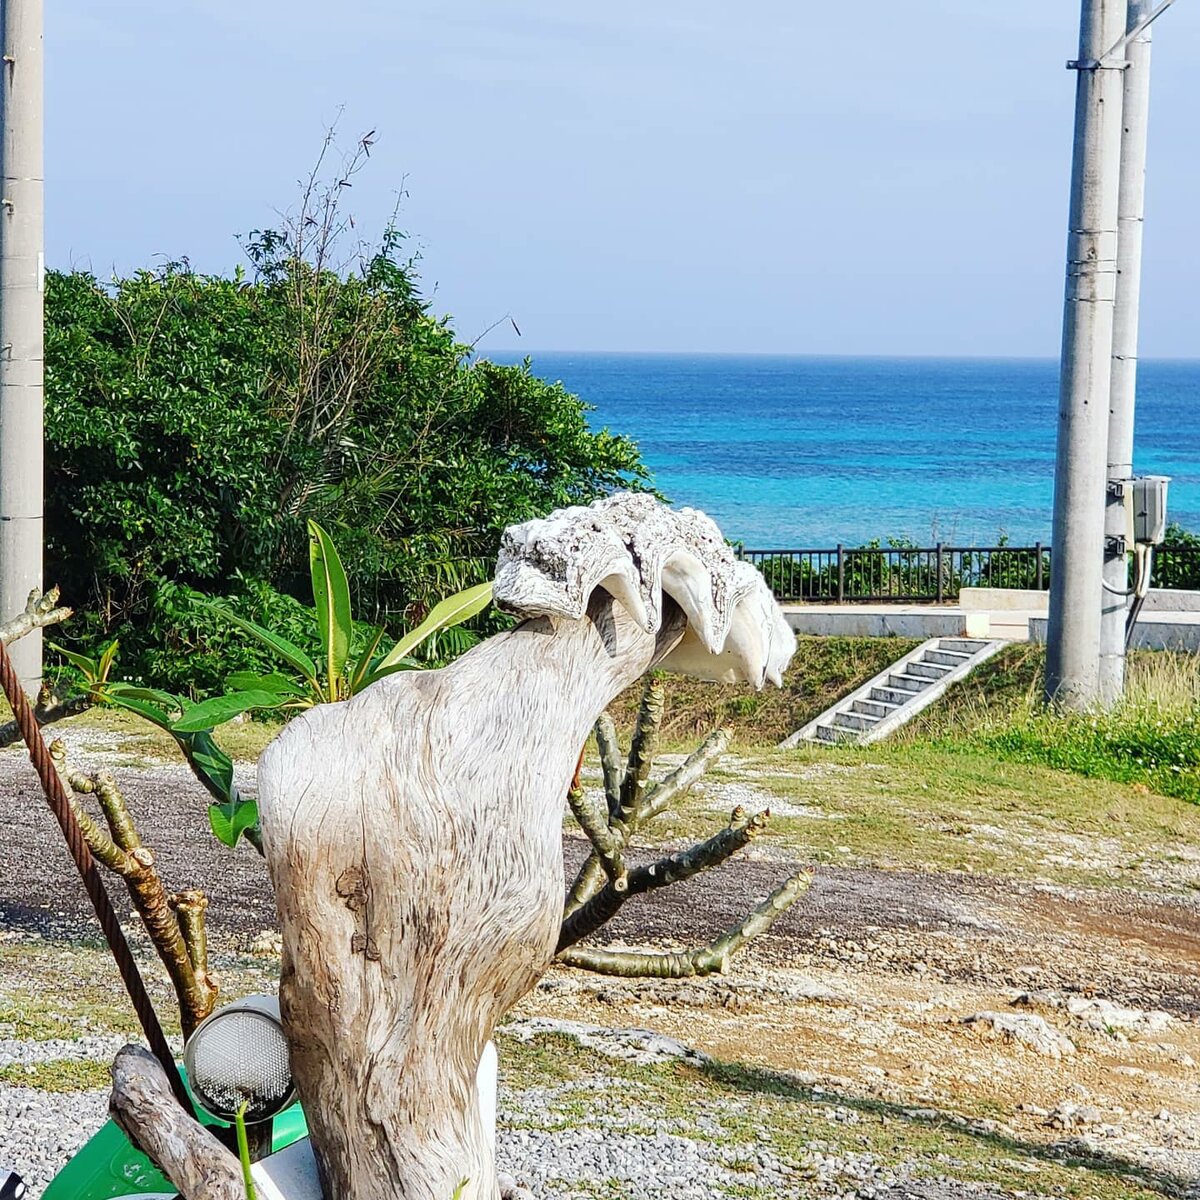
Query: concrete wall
1181, 634
849, 621
984, 599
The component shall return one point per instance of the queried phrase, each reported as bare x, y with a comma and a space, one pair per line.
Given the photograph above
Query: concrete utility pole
1123, 388
22, 268
1073, 642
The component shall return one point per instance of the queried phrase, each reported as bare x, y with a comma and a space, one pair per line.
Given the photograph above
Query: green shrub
194, 423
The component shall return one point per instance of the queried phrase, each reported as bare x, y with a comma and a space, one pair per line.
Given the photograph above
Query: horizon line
1039, 358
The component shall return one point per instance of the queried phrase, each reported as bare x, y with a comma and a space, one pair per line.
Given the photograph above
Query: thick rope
61, 808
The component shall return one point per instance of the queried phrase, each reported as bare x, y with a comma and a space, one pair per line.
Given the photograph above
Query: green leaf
250, 681
216, 711
289, 652
362, 668
107, 657
145, 709
230, 821
210, 764
152, 695
379, 671
331, 595
452, 611
89, 666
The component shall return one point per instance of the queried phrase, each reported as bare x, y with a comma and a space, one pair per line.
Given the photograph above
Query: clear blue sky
856, 178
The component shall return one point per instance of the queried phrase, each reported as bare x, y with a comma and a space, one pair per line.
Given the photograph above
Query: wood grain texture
143, 1105
414, 838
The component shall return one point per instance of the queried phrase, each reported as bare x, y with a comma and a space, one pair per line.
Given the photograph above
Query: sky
770, 176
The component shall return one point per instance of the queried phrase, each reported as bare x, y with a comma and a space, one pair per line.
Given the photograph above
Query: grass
1151, 739
740, 1111
917, 806
821, 672
57, 1075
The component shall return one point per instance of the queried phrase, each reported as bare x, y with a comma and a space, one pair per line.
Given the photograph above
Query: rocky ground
901, 1032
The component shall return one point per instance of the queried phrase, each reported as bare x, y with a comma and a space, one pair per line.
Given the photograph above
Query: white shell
638, 550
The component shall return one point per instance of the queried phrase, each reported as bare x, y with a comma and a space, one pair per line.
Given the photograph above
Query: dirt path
867, 988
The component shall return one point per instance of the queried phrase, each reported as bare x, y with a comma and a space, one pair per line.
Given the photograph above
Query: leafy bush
194, 423
1177, 560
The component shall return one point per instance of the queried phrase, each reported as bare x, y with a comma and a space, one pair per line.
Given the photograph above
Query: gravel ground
948, 931
634, 1149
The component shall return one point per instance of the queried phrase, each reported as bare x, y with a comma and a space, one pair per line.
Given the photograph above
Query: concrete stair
896, 695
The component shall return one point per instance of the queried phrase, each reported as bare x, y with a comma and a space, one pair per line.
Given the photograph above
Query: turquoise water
794, 452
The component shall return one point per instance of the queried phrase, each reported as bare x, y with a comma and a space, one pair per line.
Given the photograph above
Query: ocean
791, 452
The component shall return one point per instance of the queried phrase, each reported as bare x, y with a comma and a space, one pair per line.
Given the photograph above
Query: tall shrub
196, 422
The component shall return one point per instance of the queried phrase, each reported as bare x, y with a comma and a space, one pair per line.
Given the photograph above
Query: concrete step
827, 733
928, 670
945, 658
963, 645
908, 683
854, 721
897, 693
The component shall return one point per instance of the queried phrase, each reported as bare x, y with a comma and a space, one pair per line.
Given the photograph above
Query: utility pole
1123, 388
1073, 641
22, 269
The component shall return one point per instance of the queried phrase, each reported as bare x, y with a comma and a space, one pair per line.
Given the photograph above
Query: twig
706, 961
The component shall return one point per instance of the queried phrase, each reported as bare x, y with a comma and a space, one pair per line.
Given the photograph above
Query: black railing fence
910, 574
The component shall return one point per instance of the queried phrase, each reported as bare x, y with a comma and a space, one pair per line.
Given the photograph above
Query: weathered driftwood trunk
143, 1104
414, 833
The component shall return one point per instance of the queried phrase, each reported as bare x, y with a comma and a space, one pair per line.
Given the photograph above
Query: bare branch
610, 760
50, 707
709, 960
602, 907
682, 778
189, 907
99, 843
126, 856
40, 610
642, 749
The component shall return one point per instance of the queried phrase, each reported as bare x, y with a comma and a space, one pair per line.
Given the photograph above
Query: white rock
1031, 1031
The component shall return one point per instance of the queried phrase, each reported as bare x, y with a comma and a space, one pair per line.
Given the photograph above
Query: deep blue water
790, 452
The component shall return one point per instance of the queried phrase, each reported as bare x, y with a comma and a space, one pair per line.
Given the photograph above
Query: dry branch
706, 961
40, 610
187, 1154
175, 924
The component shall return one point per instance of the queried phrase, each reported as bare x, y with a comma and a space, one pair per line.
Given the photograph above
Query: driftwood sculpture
414, 833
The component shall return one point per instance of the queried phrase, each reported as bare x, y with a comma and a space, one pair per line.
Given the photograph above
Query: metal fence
910, 574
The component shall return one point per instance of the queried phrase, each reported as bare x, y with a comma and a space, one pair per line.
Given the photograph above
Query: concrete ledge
987, 599
1170, 600
1154, 631
880, 621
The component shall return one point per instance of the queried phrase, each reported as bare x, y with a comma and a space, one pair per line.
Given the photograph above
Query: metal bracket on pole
1097, 64
1114, 547
1115, 488
1106, 62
